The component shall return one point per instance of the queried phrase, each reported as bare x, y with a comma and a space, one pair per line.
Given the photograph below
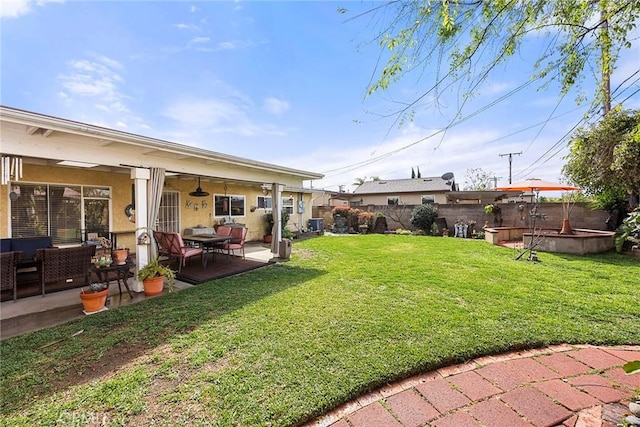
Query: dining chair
221, 231
238, 234
172, 246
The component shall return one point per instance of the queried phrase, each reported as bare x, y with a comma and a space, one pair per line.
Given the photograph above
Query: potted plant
268, 218
497, 213
94, 298
152, 276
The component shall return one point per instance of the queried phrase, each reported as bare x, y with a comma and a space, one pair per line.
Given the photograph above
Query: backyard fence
513, 215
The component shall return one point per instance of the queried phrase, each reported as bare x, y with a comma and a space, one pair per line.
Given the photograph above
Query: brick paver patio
563, 385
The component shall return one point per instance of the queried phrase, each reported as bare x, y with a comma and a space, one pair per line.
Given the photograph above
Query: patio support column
140, 177
276, 202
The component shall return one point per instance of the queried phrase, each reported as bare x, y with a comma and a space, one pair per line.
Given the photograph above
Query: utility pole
495, 181
510, 160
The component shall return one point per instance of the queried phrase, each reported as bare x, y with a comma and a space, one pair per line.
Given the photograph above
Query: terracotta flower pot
120, 256
153, 286
93, 301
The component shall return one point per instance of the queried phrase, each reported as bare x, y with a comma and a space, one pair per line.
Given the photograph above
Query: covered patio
35, 312
75, 182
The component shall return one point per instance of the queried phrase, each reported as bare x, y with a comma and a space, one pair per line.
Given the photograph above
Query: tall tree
359, 181
478, 180
413, 173
605, 158
464, 40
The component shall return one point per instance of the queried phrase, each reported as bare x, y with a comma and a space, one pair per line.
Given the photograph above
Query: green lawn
279, 345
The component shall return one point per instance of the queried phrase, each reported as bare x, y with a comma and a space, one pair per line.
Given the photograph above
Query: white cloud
95, 83
203, 122
460, 150
227, 45
15, 8
211, 112
275, 106
494, 87
189, 27
200, 40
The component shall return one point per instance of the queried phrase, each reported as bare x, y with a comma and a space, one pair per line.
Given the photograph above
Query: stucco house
414, 191
64, 179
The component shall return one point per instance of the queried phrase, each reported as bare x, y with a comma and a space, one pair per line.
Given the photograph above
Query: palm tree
359, 181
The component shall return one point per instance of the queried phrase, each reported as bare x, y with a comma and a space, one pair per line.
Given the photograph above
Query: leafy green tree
423, 216
604, 158
465, 40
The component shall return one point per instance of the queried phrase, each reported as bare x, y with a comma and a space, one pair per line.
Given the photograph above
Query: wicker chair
55, 264
8, 265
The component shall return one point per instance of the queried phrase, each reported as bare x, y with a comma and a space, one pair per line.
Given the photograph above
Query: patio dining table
206, 240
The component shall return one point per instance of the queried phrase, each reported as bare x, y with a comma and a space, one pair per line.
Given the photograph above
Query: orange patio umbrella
535, 184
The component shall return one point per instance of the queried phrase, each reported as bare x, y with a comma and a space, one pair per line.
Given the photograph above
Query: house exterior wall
404, 198
120, 184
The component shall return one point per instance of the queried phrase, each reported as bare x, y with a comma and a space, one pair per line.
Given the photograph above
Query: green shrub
423, 217
629, 230
268, 218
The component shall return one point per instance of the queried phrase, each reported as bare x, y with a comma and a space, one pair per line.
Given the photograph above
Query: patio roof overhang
477, 195
42, 139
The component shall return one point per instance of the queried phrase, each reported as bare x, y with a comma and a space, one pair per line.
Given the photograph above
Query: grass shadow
115, 338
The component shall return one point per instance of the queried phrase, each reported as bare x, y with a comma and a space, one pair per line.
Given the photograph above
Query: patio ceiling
41, 139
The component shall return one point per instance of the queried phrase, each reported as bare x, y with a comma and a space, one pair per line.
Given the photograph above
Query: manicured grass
285, 343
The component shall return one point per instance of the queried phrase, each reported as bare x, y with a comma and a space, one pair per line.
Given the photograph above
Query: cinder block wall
513, 215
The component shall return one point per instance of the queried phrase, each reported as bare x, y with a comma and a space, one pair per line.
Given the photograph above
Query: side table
121, 275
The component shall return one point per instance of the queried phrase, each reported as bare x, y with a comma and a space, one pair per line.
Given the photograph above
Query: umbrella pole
534, 216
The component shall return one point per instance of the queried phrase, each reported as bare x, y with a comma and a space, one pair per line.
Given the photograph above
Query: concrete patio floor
37, 312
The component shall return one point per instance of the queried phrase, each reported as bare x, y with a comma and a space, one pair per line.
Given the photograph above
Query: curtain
154, 194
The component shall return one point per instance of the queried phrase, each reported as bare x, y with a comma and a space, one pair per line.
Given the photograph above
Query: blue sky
281, 82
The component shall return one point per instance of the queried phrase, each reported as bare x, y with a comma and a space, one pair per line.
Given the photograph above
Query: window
393, 201
169, 213
59, 211
231, 206
287, 205
264, 202
428, 199
96, 210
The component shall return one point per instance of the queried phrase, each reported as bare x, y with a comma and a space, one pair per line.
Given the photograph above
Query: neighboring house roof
148, 151
414, 185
